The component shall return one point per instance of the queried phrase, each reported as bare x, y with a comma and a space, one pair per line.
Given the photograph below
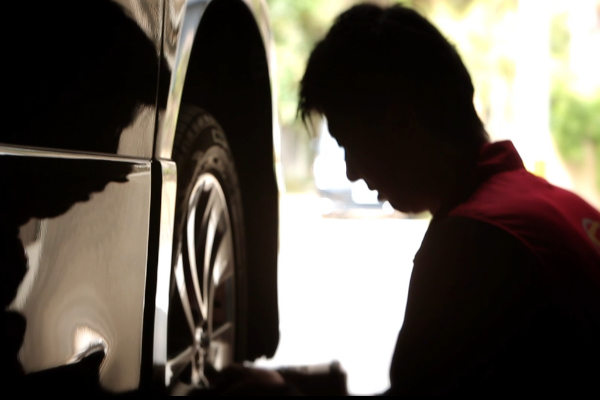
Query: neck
454, 183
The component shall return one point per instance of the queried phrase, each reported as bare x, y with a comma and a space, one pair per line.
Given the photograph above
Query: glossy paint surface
222, 65
75, 213
182, 19
162, 284
86, 215
85, 76
181, 23
82, 222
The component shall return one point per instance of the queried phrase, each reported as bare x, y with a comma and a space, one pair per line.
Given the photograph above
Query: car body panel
158, 278
76, 158
86, 249
137, 139
182, 19
88, 181
85, 77
220, 54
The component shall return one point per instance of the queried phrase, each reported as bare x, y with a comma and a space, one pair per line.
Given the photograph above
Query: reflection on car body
89, 187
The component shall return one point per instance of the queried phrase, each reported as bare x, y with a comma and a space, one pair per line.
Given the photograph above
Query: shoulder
465, 255
473, 289
524, 204
468, 238
554, 224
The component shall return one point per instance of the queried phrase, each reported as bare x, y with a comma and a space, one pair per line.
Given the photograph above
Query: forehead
348, 120
358, 124
345, 127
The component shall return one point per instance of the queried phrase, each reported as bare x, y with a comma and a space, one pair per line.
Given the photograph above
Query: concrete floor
343, 285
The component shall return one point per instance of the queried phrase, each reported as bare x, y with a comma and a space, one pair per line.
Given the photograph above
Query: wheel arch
193, 37
227, 70
229, 74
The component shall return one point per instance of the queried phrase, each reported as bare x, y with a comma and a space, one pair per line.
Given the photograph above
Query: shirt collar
493, 158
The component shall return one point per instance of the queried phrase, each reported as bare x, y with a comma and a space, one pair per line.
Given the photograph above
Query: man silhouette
504, 296
505, 291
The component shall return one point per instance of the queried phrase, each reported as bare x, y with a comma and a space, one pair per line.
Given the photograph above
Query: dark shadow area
228, 76
80, 72
42, 188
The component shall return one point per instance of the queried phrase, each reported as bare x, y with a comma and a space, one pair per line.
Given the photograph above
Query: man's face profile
389, 156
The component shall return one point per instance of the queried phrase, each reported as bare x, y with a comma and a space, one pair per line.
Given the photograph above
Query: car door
75, 173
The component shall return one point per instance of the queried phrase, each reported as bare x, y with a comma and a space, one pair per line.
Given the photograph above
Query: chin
409, 207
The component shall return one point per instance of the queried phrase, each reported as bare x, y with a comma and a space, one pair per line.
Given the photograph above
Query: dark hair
373, 56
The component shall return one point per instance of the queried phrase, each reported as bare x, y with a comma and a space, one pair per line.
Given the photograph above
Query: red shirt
505, 291
557, 226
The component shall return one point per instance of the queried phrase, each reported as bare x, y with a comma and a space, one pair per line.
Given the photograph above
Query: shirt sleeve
472, 292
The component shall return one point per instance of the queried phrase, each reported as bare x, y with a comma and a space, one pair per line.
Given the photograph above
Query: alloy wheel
202, 312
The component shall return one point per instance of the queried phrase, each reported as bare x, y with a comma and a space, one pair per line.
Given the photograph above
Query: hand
237, 379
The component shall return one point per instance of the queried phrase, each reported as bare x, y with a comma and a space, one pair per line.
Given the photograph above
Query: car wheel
207, 314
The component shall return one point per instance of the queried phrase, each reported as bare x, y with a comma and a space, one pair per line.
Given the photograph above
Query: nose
351, 172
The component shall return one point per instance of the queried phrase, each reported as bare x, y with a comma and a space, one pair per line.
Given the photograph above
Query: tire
207, 319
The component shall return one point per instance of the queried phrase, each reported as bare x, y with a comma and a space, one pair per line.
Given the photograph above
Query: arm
472, 292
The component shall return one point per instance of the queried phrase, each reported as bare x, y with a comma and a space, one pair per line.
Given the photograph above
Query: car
139, 214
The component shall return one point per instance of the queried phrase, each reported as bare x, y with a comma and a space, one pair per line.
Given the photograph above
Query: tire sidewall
201, 147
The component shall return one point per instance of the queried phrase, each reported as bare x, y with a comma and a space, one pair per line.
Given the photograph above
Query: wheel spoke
211, 218
183, 294
191, 252
176, 365
204, 277
223, 266
221, 330
196, 373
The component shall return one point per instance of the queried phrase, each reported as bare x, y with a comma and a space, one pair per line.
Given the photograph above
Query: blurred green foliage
297, 26
479, 28
575, 123
560, 37
574, 118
